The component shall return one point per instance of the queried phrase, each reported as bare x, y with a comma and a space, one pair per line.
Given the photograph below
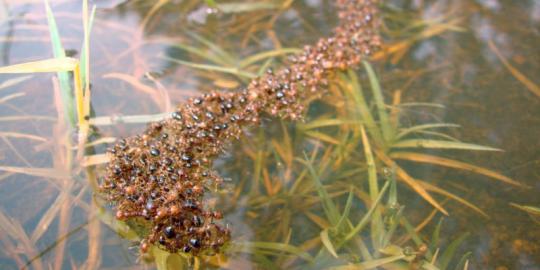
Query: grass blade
462, 264
229, 70
354, 88
14, 81
435, 236
318, 123
452, 196
63, 76
224, 55
367, 216
39, 172
239, 7
450, 163
403, 175
128, 119
370, 264
250, 247
50, 65
325, 239
322, 137
439, 144
417, 128
201, 53
446, 257
23, 136
534, 212
267, 54
535, 89
346, 210
386, 127
329, 207
377, 228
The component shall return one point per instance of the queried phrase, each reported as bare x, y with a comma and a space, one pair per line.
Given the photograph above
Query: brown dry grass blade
413, 183
452, 196
450, 163
535, 89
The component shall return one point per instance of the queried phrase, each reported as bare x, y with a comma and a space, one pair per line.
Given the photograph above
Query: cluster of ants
160, 177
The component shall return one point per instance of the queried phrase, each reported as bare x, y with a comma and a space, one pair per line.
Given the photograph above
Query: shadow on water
473, 63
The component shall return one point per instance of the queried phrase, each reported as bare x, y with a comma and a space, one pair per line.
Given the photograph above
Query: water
452, 64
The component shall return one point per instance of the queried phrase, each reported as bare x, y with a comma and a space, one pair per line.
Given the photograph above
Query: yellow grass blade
527, 208
325, 239
452, 196
322, 137
413, 183
48, 65
440, 144
95, 160
445, 162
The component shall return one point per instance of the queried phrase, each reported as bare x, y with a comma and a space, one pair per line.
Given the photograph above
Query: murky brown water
452, 64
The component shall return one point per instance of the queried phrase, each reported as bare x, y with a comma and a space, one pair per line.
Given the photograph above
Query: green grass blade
377, 227
438, 144
386, 127
435, 236
417, 128
393, 221
412, 233
422, 104
211, 3
358, 228
329, 207
346, 210
239, 7
463, 261
66, 92
252, 247
446, 257
264, 67
267, 54
221, 53
361, 107
86, 46
435, 134
201, 53
370, 264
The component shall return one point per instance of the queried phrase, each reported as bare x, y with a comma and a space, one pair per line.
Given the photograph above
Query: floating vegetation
161, 176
